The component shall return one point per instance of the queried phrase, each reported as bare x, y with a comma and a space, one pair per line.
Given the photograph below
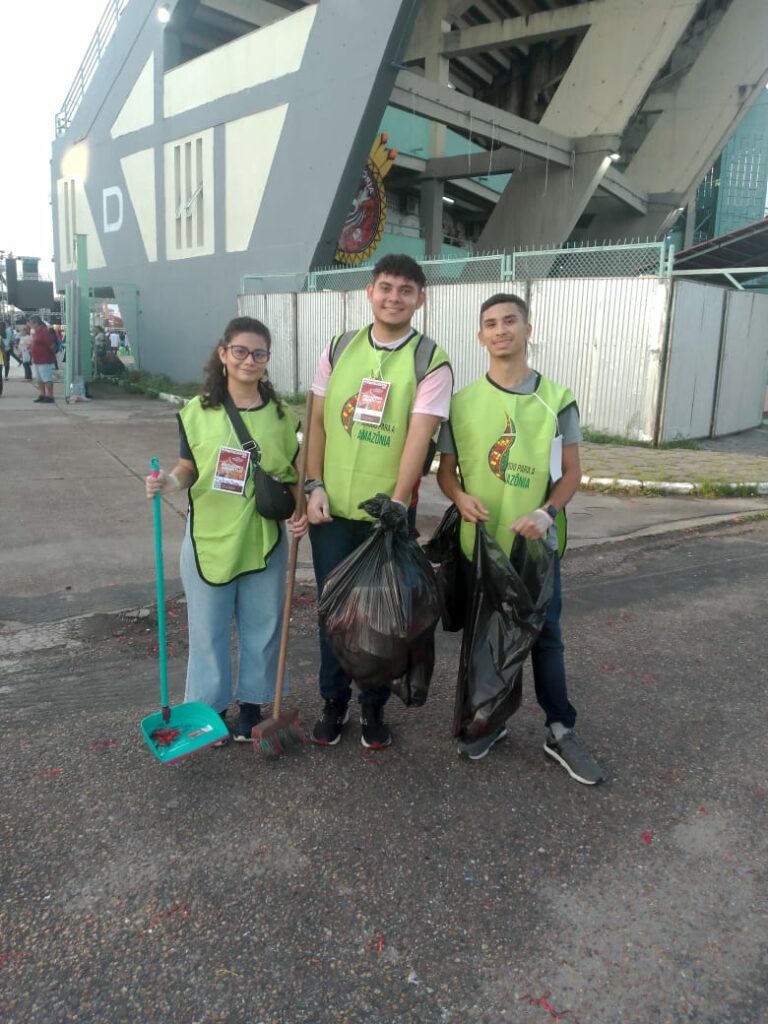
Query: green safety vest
503, 443
363, 460
229, 537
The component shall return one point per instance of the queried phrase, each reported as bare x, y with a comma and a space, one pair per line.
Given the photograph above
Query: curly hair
215, 383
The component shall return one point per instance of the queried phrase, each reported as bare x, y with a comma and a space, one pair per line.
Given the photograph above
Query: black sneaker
376, 734
571, 753
327, 730
225, 739
477, 749
250, 716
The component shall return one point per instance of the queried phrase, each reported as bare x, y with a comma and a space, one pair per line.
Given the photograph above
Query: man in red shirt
43, 358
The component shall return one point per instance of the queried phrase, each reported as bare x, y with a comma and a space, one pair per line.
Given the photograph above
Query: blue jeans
255, 603
331, 543
549, 665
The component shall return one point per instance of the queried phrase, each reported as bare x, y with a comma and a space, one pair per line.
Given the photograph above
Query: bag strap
422, 357
236, 420
338, 344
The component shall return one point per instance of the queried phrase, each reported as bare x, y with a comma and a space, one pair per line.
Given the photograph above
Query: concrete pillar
431, 215
541, 204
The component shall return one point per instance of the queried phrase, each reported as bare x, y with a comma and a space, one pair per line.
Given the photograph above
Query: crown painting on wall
364, 225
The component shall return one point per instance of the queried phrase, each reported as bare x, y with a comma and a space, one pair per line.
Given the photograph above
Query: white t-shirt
114, 339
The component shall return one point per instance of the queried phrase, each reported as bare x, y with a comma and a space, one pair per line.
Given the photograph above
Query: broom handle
292, 559
159, 576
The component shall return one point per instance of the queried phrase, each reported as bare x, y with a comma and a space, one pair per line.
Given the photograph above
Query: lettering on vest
374, 437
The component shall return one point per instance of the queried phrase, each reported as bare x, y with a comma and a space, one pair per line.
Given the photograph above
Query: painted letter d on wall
116, 222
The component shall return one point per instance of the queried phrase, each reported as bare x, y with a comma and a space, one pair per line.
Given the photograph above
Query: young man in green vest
510, 459
379, 396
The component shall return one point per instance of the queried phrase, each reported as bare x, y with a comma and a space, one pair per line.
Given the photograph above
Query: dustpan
184, 729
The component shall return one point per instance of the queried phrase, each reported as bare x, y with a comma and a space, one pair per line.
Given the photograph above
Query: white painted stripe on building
251, 143
260, 56
138, 111
139, 173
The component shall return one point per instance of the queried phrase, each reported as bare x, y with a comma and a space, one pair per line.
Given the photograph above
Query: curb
746, 489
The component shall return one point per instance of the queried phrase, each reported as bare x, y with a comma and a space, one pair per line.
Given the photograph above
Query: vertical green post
70, 293
83, 369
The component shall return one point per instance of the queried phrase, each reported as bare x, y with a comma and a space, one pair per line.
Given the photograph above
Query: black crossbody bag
273, 498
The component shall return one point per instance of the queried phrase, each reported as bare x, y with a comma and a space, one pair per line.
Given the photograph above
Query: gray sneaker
571, 753
475, 749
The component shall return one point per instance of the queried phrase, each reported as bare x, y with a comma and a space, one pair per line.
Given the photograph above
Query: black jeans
331, 543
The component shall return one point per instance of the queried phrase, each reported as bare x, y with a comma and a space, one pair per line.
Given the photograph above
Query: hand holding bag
273, 498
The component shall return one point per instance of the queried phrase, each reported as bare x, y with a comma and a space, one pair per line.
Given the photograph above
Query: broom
283, 727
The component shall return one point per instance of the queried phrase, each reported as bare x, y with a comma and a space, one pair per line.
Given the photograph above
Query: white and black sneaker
477, 749
327, 730
571, 753
250, 716
375, 733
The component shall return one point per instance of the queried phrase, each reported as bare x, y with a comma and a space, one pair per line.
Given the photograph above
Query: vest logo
514, 474
347, 412
498, 456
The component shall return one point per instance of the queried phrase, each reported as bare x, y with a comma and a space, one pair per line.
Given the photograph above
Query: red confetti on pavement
102, 745
703, 810
50, 773
155, 922
5, 957
545, 1004
650, 679
164, 737
608, 666
376, 945
647, 837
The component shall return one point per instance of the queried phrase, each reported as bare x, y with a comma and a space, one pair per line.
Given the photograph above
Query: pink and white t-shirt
433, 394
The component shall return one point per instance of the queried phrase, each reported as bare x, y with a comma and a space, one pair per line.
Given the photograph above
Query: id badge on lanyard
371, 399
231, 472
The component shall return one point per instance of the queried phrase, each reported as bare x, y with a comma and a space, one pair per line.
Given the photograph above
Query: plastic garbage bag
444, 549
506, 613
379, 608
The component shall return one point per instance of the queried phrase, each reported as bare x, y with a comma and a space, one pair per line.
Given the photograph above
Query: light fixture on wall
614, 157
447, 199
164, 14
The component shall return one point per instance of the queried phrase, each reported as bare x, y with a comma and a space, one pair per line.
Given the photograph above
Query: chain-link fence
631, 259
464, 269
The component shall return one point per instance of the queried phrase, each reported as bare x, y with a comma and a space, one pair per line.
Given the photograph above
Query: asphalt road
343, 886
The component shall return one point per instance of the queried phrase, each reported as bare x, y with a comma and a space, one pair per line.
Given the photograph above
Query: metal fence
629, 259
608, 339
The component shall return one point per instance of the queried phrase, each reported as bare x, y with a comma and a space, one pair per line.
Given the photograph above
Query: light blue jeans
255, 603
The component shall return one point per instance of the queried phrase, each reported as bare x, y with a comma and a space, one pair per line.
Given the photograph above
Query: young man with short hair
402, 383
510, 459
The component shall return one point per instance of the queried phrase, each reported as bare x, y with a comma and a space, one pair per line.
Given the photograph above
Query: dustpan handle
160, 579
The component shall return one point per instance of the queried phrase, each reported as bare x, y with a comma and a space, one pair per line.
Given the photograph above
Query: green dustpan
175, 732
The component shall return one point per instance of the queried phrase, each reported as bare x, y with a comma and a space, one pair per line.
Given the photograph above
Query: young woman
233, 561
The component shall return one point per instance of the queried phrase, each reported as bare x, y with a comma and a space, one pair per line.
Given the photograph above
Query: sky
45, 41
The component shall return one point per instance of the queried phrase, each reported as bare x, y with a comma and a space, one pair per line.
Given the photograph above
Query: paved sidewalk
739, 461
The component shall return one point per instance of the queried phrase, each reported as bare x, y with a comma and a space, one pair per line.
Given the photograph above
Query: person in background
43, 358
233, 561
535, 423
25, 350
349, 460
8, 344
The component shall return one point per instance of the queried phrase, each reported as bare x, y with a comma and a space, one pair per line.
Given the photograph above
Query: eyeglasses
241, 353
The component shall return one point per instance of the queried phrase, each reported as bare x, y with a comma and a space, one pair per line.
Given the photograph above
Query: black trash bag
444, 549
379, 608
508, 605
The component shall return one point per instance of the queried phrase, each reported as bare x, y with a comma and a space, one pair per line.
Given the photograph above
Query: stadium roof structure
742, 253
